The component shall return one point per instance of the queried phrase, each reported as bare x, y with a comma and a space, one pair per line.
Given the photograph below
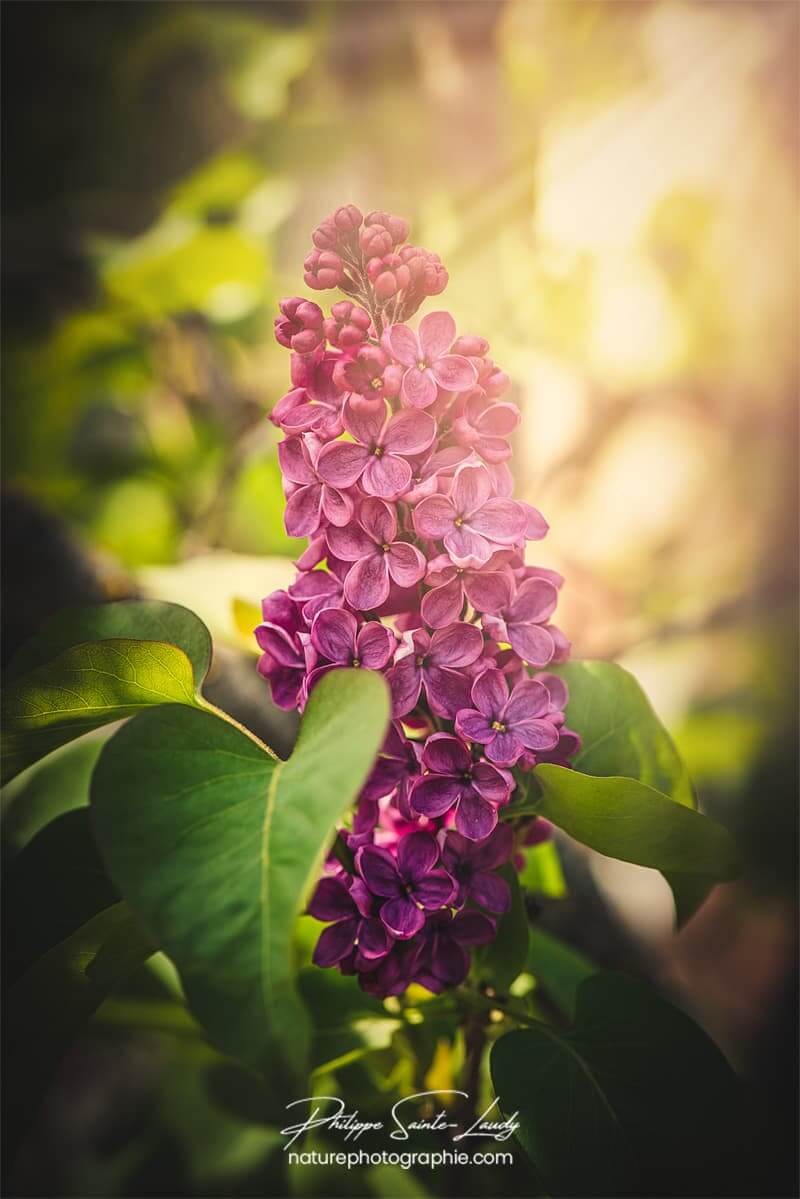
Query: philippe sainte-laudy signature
329, 1112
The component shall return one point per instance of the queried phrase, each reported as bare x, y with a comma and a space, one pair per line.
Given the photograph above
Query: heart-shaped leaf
86, 686
633, 1100
145, 620
217, 845
625, 819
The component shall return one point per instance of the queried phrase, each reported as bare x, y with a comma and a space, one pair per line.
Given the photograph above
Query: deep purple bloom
488, 588
521, 622
281, 637
473, 865
438, 662
382, 444
507, 725
452, 778
412, 883
471, 521
377, 555
425, 355
397, 765
336, 636
315, 590
354, 923
443, 959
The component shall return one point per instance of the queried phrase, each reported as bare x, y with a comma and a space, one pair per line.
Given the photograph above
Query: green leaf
87, 686
559, 969
634, 1100
51, 1002
620, 732
542, 871
55, 885
217, 846
55, 785
625, 819
146, 620
503, 959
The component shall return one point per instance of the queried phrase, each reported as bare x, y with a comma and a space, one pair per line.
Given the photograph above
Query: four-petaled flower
413, 883
471, 521
378, 455
335, 635
353, 923
376, 554
311, 499
438, 661
520, 623
473, 865
453, 779
429, 365
488, 589
507, 725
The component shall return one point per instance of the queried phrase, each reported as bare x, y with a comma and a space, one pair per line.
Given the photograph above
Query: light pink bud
375, 241
299, 327
323, 269
470, 347
347, 326
395, 225
326, 235
347, 219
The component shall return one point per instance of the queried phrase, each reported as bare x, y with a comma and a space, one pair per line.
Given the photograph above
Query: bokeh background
613, 188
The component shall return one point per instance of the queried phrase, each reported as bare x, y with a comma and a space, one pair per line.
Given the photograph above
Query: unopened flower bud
470, 347
347, 219
347, 326
394, 225
323, 269
375, 241
388, 275
299, 327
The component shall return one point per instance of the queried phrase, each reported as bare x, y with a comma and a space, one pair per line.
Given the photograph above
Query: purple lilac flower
473, 865
522, 623
507, 725
378, 455
471, 520
412, 882
354, 924
436, 662
443, 960
377, 556
452, 779
488, 588
336, 636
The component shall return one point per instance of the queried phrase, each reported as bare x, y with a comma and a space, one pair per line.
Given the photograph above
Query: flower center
466, 776
356, 661
376, 384
386, 547
498, 726
422, 366
458, 522
420, 659
378, 451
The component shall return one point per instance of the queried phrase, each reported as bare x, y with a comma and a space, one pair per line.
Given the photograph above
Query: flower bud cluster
395, 467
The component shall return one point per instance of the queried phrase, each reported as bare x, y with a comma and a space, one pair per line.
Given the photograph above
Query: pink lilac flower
452, 779
370, 374
471, 520
522, 623
435, 662
314, 403
413, 883
350, 911
473, 865
506, 725
377, 555
299, 327
310, 500
323, 269
485, 426
429, 365
281, 637
488, 588
336, 637
378, 455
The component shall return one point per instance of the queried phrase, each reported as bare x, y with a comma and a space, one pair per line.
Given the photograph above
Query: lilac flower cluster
395, 467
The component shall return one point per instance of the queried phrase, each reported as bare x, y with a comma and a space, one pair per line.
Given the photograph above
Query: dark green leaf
217, 846
86, 686
57, 784
625, 819
51, 889
145, 620
559, 969
504, 957
54, 999
633, 1100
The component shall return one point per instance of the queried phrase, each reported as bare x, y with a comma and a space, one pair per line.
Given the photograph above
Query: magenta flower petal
341, 463
350, 543
419, 387
528, 700
378, 869
474, 726
433, 517
536, 526
303, 511
490, 783
475, 818
466, 547
434, 889
472, 928
458, 645
364, 420
437, 332
337, 506
402, 918
454, 373
404, 345
378, 521
409, 432
387, 476
405, 563
495, 850
492, 892
374, 645
536, 734
534, 603
331, 901
490, 693
335, 942
333, 634
505, 749
374, 940
367, 584
405, 684
417, 855
500, 520
487, 590
472, 487
434, 795
442, 605
448, 691
533, 643
499, 420
557, 690
293, 462
445, 754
